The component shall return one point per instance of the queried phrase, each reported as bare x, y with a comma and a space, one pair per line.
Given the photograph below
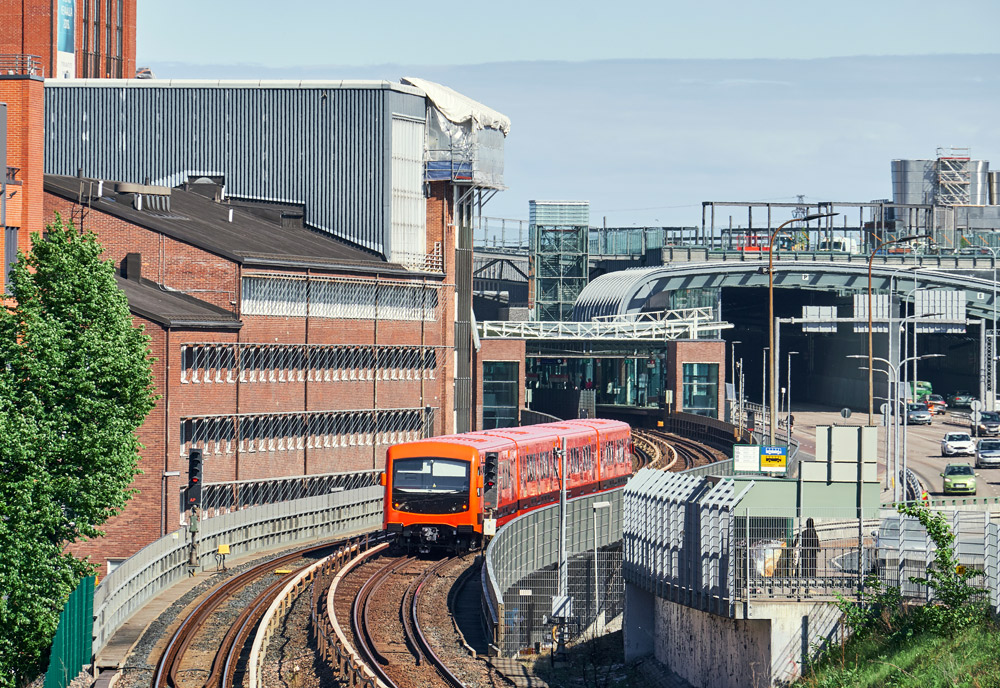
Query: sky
645, 109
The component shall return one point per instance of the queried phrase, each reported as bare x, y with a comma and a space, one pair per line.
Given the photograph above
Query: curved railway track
670, 452
223, 667
393, 667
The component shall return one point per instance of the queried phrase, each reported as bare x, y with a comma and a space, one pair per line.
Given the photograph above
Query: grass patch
912, 659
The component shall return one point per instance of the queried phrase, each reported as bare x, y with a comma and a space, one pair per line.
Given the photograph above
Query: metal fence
521, 575
71, 646
225, 497
164, 562
688, 540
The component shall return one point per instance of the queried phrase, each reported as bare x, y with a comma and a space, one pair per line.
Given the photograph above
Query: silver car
988, 453
917, 414
957, 443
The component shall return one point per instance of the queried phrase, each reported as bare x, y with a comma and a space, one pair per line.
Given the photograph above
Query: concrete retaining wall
711, 651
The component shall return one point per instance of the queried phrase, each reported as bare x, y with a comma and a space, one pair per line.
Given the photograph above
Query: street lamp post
732, 369
993, 357
788, 399
763, 386
871, 375
770, 311
893, 374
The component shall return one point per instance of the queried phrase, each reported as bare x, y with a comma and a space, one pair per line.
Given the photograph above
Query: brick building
299, 328
280, 351
72, 38
22, 90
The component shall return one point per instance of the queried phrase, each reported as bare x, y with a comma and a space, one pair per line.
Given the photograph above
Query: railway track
389, 635
184, 663
670, 452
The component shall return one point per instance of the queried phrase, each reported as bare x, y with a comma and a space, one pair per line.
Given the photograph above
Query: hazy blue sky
310, 32
652, 108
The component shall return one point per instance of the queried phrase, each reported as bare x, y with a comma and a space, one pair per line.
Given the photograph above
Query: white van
841, 244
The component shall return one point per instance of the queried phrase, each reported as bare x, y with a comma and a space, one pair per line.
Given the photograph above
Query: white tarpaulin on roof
460, 109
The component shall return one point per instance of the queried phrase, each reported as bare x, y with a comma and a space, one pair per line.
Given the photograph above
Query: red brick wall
695, 351
440, 227
27, 27
216, 280
497, 350
25, 149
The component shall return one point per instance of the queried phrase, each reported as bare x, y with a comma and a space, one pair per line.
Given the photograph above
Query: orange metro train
451, 491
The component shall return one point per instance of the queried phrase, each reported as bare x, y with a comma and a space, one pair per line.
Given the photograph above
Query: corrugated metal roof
323, 144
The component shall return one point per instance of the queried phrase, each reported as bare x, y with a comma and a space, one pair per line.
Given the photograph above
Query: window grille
252, 363
286, 432
338, 299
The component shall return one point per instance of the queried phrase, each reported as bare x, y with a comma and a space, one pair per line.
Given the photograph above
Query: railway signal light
194, 478
490, 470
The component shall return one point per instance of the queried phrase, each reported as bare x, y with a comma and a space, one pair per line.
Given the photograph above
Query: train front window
430, 485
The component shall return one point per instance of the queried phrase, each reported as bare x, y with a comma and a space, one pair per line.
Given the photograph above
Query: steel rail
224, 666
370, 654
169, 663
418, 637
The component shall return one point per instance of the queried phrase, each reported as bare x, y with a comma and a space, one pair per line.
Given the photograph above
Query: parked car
936, 404
960, 399
917, 414
955, 443
988, 453
959, 478
989, 424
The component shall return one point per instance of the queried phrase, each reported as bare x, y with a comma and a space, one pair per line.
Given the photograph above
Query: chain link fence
521, 578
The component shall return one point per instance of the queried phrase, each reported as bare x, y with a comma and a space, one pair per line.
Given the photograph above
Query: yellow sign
960, 570
774, 459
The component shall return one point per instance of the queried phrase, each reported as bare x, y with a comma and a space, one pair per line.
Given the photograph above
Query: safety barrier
166, 561
689, 540
520, 574
317, 575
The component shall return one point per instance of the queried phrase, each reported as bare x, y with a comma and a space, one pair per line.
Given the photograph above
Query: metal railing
235, 495
165, 562
692, 328
21, 65
520, 576
688, 539
423, 262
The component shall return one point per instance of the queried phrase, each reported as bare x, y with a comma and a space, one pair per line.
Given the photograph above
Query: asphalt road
923, 442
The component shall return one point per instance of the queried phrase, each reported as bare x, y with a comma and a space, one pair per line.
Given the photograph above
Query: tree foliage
76, 384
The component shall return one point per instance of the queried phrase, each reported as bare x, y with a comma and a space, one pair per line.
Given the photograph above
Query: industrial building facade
298, 263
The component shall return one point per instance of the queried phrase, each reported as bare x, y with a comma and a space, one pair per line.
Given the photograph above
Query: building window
114, 563
330, 298
701, 389
107, 36
9, 255
500, 394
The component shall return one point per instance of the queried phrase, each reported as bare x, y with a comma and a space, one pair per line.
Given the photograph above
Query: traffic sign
884, 409
845, 412
774, 459
976, 405
976, 416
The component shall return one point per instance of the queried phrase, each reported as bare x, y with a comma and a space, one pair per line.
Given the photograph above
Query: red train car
453, 490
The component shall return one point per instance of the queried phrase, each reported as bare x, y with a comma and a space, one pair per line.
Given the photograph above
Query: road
924, 443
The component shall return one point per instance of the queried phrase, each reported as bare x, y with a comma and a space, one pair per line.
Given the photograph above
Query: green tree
76, 384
